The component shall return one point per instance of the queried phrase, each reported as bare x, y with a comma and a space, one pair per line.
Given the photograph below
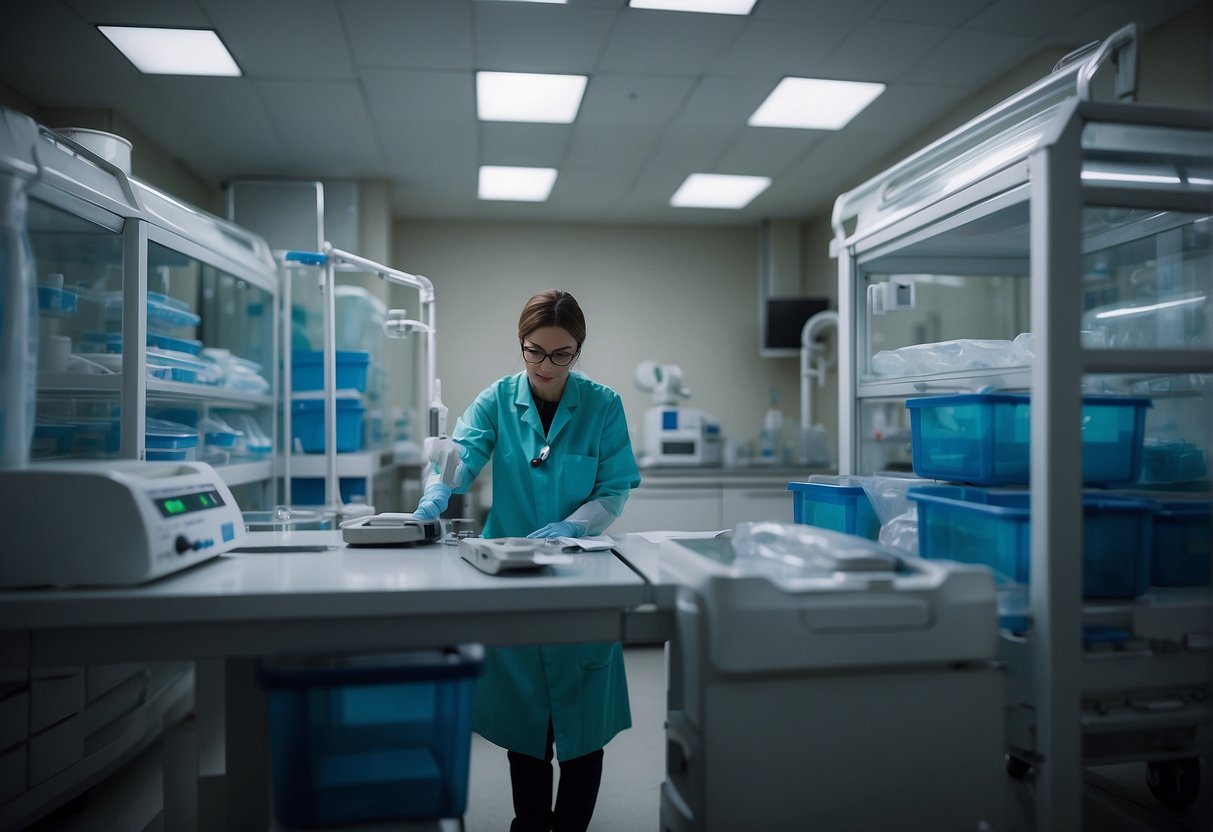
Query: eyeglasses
535, 356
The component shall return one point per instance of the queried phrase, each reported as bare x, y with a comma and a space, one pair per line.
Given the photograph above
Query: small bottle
772, 431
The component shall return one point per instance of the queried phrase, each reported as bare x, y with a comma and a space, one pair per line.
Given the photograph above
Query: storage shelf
357, 464
1154, 362
73, 384
969, 381
242, 473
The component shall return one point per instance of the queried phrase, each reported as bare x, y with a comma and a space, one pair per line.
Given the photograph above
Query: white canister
53, 353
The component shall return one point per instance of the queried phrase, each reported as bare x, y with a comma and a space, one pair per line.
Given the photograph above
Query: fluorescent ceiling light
814, 104
530, 1
527, 96
516, 184
718, 190
173, 51
707, 6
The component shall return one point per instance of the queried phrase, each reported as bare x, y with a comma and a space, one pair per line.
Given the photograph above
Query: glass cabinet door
79, 273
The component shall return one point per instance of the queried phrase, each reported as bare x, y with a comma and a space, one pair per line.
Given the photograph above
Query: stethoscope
543, 455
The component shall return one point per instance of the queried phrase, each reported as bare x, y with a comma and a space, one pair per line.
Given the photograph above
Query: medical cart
1077, 232
811, 695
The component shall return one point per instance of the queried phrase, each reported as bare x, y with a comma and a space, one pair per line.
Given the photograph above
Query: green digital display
185, 503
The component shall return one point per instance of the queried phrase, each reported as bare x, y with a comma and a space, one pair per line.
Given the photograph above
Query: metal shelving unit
1038, 216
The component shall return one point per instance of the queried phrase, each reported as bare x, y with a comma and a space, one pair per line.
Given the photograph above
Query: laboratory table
225, 612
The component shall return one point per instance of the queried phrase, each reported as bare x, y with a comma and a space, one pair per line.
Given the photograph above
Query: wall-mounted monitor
782, 321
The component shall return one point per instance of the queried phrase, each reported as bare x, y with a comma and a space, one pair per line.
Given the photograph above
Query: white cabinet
707, 500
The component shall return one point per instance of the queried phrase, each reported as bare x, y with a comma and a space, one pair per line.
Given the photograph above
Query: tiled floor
1115, 798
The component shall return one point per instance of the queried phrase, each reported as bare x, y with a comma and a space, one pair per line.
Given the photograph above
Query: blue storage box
307, 370
983, 438
365, 738
1183, 542
307, 423
843, 508
993, 528
309, 491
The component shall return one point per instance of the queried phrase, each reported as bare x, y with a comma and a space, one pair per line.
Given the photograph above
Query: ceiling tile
433, 34
966, 56
880, 51
283, 38
588, 192
830, 14
779, 48
433, 147
668, 42
724, 101
400, 98
602, 147
765, 151
537, 37
539, 145
1106, 16
1025, 17
632, 99
939, 12
140, 12
325, 126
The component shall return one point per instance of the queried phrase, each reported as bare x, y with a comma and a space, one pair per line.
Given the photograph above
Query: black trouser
531, 783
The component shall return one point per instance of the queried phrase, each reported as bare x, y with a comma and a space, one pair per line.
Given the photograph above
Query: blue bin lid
828, 492
1003, 503
1020, 398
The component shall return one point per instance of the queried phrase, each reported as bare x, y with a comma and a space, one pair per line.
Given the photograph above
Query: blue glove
433, 502
562, 529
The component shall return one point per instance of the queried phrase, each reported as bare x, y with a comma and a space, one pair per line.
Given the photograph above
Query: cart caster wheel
1017, 767
1174, 782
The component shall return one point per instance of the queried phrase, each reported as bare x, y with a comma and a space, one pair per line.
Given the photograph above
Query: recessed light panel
516, 184
528, 96
718, 190
814, 104
705, 6
173, 51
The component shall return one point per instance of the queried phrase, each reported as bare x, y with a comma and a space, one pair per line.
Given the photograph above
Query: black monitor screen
785, 320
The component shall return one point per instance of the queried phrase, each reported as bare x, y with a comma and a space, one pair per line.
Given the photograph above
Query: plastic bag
901, 532
797, 550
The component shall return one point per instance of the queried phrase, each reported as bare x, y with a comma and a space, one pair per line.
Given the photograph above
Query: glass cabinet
157, 325
1057, 249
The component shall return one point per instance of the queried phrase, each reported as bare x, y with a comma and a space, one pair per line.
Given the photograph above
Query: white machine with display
675, 435
818, 681
112, 522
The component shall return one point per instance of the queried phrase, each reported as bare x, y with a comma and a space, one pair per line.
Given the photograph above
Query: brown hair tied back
552, 307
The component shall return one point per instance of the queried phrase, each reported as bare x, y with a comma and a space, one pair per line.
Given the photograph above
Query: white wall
677, 294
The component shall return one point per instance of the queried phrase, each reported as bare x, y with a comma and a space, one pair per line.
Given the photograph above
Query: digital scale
390, 529
112, 522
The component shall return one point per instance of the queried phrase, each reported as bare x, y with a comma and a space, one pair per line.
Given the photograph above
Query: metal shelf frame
897, 220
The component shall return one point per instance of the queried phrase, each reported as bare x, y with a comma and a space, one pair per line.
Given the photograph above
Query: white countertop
250, 603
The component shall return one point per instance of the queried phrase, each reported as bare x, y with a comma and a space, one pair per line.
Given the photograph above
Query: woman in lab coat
563, 466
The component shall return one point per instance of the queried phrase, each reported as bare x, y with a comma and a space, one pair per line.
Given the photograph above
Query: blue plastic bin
307, 424
1183, 543
307, 370
371, 738
993, 528
309, 491
843, 508
983, 438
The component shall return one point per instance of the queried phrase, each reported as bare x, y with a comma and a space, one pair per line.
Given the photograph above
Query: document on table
601, 543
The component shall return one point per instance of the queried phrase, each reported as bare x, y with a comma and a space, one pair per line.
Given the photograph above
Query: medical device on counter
675, 435
391, 529
507, 554
112, 522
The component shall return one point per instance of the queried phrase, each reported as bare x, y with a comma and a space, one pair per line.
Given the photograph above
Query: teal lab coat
581, 688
